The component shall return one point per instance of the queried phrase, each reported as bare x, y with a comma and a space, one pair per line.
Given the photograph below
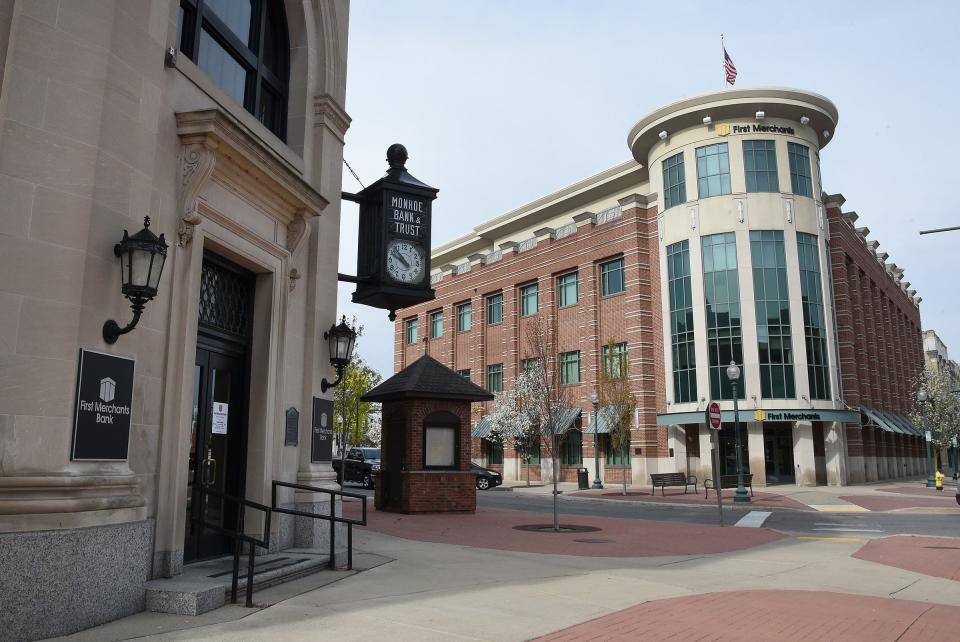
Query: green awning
880, 420
564, 419
482, 429
905, 424
605, 417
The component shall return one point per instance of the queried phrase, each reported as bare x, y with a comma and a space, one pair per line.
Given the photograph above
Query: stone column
758, 466
804, 461
834, 448
706, 454
870, 454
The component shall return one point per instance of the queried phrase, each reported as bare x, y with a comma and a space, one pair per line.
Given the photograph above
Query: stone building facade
224, 123
719, 241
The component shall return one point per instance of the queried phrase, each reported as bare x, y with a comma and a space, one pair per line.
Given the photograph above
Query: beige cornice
328, 113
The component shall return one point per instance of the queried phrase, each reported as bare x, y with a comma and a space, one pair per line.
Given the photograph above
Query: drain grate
564, 528
595, 541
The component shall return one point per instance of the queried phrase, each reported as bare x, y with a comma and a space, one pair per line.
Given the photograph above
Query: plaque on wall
321, 446
292, 428
101, 415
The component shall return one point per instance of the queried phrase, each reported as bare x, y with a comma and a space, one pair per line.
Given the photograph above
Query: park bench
662, 480
728, 481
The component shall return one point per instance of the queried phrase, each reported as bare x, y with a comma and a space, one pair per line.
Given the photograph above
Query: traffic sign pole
714, 422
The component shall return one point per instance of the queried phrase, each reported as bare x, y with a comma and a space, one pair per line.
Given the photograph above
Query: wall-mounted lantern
340, 339
141, 262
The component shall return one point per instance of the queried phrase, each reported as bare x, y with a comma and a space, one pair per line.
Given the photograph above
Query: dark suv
361, 464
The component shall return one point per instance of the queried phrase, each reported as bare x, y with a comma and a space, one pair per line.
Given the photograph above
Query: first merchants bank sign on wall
101, 417
725, 129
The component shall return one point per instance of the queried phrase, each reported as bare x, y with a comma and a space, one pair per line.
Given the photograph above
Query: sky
500, 102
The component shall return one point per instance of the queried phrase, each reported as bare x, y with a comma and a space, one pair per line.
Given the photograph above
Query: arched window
242, 45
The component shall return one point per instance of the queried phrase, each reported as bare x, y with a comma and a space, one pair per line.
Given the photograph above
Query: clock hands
399, 257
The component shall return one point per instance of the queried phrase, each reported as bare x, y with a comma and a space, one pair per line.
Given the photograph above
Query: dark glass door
728, 449
217, 446
778, 454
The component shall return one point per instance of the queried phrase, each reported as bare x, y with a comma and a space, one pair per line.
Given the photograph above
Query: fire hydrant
938, 478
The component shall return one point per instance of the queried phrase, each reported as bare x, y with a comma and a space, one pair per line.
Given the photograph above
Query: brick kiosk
425, 446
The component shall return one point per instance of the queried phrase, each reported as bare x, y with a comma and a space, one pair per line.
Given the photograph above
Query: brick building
721, 204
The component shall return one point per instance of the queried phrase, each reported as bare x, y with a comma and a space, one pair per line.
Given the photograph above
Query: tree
513, 419
548, 398
351, 413
617, 403
940, 414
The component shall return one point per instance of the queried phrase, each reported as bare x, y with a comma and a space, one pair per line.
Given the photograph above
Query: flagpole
723, 59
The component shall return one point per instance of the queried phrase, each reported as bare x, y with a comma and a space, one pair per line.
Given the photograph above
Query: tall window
494, 452
615, 359
814, 324
612, 280
681, 323
412, 330
243, 47
674, 184
529, 299
570, 367
436, 324
464, 373
495, 309
495, 377
760, 166
721, 288
772, 302
713, 170
800, 182
615, 456
464, 317
568, 289
528, 365
571, 452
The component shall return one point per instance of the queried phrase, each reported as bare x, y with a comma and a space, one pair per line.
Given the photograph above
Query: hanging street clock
393, 257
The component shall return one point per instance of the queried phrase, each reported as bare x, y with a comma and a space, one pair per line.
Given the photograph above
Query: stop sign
713, 416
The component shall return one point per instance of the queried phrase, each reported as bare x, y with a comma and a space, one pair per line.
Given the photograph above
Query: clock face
405, 261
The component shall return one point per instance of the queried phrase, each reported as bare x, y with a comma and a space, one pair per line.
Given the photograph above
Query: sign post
714, 422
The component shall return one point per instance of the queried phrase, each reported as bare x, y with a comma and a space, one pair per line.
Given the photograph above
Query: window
570, 367
615, 359
464, 373
243, 47
412, 330
760, 166
800, 182
674, 183
713, 170
464, 317
494, 452
772, 302
681, 323
529, 299
495, 309
721, 290
436, 324
440, 446
571, 451
615, 456
568, 289
529, 365
495, 377
534, 454
612, 280
814, 325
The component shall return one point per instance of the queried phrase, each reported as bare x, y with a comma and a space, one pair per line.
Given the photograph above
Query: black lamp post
922, 398
733, 374
141, 262
340, 339
596, 440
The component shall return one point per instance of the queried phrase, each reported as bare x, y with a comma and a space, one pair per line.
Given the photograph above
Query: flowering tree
617, 404
514, 421
940, 413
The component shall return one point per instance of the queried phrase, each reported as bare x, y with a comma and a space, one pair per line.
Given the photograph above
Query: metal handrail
332, 518
238, 535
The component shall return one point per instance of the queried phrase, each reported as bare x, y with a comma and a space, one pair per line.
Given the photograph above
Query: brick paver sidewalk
771, 616
936, 556
761, 499
494, 529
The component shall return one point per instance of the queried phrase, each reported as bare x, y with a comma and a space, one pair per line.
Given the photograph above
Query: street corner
933, 556
581, 535
786, 615
905, 499
761, 499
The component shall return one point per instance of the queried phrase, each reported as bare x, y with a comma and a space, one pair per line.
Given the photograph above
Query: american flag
729, 68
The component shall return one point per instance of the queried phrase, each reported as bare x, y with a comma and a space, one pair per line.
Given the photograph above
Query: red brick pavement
771, 616
759, 500
626, 537
936, 556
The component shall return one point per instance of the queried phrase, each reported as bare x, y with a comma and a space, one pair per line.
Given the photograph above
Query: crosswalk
753, 519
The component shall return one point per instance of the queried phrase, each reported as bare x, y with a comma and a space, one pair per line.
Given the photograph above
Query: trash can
583, 479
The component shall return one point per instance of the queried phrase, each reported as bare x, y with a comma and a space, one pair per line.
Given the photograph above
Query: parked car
486, 478
360, 464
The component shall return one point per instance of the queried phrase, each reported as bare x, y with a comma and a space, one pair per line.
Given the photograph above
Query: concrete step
205, 586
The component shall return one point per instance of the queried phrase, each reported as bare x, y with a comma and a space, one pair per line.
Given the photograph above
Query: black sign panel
292, 428
101, 416
321, 446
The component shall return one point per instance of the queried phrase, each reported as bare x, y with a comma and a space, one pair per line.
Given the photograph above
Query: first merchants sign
101, 417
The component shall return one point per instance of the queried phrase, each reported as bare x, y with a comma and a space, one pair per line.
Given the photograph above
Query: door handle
209, 468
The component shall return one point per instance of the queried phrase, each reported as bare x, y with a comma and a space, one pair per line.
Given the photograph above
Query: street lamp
141, 262
733, 374
596, 440
340, 339
922, 397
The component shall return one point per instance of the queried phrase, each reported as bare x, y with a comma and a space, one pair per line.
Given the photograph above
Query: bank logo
759, 415
723, 129
108, 388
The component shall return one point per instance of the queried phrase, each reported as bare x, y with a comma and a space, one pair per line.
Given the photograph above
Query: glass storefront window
772, 302
814, 323
721, 289
681, 323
